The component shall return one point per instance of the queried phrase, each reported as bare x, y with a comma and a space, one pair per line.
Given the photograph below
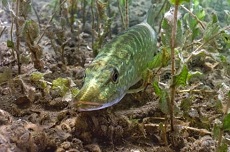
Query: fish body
118, 66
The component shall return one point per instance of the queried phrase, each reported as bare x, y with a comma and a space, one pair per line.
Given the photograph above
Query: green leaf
166, 34
192, 74
180, 37
122, 2
196, 2
74, 91
218, 106
211, 29
195, 33
4, 3
62, 85
201, 14
178, 2
164, 97
25, 8
164, 102
157, 89
6, 75
10, 44
181, 78
214, 18
43, 84
186, 104
226, 123
161, 127
161, 59
223, 148
37, 76
216, 131
167, 31
226, 36
38, 79
30, 31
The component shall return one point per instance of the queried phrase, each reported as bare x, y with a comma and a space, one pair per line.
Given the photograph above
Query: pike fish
119, 65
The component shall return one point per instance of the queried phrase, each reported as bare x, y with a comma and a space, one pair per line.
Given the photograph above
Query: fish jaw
91, 99
92, 106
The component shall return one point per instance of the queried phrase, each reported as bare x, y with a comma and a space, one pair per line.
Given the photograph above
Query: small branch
173, 70
197, 91
2, 31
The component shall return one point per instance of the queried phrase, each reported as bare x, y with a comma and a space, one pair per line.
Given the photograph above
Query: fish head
101, 87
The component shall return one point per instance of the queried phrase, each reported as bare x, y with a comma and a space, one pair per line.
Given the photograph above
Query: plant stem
120, 10
219, 139
173, 70
221, 130
17, 36
11, 32
93, 23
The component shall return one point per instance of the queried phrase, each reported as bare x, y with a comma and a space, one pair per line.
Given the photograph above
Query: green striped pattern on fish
119, 65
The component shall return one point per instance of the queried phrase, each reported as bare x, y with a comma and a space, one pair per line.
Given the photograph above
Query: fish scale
118, 66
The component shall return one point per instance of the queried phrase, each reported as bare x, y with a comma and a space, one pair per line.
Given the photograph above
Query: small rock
93, 148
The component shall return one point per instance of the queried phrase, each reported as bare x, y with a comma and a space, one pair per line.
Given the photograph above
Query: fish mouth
88, 106
93, 106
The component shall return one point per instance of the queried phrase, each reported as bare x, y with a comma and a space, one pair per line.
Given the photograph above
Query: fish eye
114, 75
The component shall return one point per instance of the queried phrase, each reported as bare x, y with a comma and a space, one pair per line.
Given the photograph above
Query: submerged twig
173, 70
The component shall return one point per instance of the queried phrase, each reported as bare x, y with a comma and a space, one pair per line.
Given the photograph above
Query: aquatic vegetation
49, 49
